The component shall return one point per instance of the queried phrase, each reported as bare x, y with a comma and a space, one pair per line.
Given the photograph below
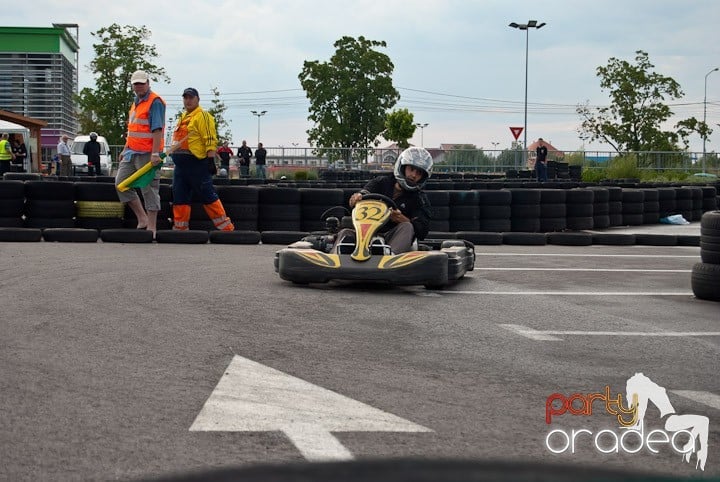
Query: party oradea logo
685, 434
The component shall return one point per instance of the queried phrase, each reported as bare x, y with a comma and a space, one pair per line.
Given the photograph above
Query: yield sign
516, 131
252, 397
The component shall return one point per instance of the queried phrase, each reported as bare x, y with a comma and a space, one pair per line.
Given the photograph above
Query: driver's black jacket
413, 204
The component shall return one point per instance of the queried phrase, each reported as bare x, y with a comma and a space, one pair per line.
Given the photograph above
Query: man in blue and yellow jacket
194, 148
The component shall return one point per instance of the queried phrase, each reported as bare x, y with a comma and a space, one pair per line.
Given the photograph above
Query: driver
404, 186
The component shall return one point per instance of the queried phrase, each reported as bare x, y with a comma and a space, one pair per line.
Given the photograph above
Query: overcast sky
458, 66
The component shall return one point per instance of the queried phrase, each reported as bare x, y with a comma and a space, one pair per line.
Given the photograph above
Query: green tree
632, 121
349, 95
119, 52
218, 110
467, 158
399, 127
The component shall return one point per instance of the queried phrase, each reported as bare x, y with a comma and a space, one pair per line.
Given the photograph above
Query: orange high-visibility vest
140, 136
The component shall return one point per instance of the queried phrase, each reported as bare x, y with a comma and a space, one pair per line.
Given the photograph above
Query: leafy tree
218, 110
119, 52
349, 95
399, 127
465, 157
632, 121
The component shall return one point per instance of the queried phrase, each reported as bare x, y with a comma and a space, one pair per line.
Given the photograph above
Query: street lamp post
495, 154
258, 114
422, 132
705, 114
526, 27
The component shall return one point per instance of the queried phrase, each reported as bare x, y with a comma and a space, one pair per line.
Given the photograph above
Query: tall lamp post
705, 114
495, 154
422, 132
526, 27
259, 115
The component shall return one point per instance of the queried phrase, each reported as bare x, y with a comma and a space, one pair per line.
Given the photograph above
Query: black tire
705, 281
688, 240
497, 197
436, 198
525, 196
280, 212
553, 210
579, 196
44, 223
552, 196
95, 191
321, 197
570, 239
579, 210
70, 235
235, 237
495, 211
21, 176
525, 225
655, 239
463, 211
12, 208
580, 223
126, 236
278, 195
463, 225
238, 194
46, 208
548, 225
710, 223
191, 236
12, 189
55, 191
435, 225
463, 198
613, 239
601, 222
525, 239
632, 219
479, 237
23, 235
495, 225
16, 222
99, 223
524, 211
282, 237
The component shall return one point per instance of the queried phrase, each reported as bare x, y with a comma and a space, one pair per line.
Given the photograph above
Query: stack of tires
615, 205
651, 206
439, 211
666, 202
464, 214
633, 206
315, 203
494, 210
696, 194
49, 204
12, 202
705, 278
579, 209
97, 206
684, 202
241, 205
709, 202
601, 207
525, 209
553, 210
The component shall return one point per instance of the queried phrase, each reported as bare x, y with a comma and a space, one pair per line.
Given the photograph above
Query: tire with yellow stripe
99, 209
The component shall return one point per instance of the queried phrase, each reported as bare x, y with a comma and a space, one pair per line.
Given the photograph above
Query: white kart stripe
551, 335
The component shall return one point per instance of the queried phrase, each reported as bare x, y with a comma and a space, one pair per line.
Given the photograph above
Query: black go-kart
366, 257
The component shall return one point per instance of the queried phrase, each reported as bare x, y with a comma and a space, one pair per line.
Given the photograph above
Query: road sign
252, 397
516, 131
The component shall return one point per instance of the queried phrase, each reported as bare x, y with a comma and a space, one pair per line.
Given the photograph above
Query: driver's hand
397, 216
354, 199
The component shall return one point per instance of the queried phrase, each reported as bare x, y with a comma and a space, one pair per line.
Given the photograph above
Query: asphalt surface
109, 352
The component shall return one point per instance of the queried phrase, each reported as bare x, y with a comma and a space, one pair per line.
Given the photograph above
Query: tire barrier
20, 235
705, 278
235, 237
70, 235
439, 210
464, 212
126, 236
191, 236
553, 210
486, 207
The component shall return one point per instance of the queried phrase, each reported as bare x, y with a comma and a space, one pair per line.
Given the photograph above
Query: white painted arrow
252, 397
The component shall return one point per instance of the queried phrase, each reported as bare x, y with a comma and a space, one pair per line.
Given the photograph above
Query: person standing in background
92, 150
260, 155
541, 161
20, 151
6, 154
224, 152
64, 155
244, 154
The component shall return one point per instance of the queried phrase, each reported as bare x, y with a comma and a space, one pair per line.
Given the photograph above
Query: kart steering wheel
380, 197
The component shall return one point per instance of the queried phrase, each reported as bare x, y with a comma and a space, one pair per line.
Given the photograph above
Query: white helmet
93, 135
417, 157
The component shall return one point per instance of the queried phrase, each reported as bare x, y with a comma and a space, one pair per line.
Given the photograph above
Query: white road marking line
570, 293
707, 398
251, 397
552, 335
601, 270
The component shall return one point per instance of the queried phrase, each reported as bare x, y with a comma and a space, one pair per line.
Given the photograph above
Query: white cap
139, 77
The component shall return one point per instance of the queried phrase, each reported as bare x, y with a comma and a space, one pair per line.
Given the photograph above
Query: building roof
21, 119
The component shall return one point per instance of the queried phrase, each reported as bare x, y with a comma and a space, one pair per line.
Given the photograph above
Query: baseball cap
139, 77
191, 91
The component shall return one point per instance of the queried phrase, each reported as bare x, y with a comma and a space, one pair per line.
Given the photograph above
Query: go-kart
365, 256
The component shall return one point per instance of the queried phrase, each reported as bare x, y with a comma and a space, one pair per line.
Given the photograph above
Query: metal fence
474, 160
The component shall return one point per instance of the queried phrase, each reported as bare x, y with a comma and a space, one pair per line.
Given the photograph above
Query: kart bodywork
322, 258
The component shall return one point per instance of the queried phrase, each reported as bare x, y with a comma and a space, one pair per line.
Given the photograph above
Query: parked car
79, 160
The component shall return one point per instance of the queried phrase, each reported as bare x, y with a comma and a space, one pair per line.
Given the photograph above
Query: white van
79, 160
